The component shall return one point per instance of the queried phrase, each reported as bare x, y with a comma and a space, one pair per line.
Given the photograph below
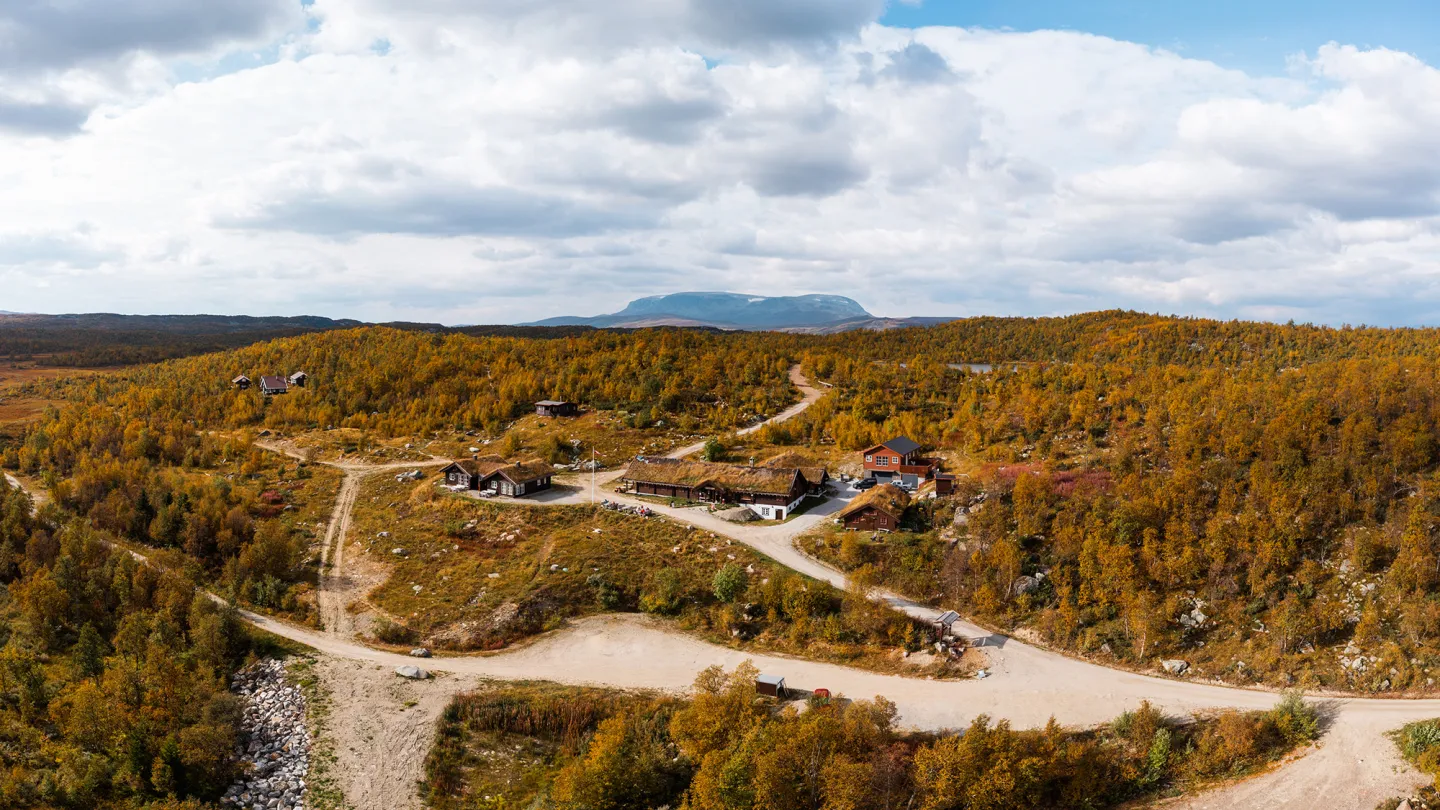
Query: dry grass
474, 574
469, 558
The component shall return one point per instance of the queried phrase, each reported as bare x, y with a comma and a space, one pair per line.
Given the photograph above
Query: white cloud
502, 161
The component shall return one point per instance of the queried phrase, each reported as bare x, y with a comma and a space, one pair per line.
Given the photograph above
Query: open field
20, 401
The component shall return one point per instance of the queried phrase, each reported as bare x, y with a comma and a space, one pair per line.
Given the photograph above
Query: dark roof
273, 382
886, 498
695, 474
902, 445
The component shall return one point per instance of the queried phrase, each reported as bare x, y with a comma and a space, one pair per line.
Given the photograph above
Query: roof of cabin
482, 465
523, 472
814, 473
886, 498
679, 472
900, 444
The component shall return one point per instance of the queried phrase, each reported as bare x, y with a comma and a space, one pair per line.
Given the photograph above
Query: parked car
865, 483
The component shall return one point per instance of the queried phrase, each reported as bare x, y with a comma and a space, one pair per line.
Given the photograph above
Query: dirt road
809, 395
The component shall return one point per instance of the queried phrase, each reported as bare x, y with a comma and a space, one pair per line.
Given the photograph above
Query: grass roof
695, 474
813, 470
887, 498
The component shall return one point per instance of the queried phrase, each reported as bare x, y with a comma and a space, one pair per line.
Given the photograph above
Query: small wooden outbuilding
944, 622
242, 382
551, 407
770, 685
944, 483
299, 378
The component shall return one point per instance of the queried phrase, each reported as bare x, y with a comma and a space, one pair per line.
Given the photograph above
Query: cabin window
869, 458
883, 461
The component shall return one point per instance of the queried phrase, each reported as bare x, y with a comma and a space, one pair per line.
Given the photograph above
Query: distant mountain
173, 324
727, 311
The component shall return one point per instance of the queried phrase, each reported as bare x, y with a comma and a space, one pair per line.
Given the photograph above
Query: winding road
1354, 766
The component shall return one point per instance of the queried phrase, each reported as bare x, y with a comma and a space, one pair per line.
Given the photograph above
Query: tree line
725, 748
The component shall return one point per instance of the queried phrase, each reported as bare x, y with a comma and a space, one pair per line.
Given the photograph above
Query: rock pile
276, 743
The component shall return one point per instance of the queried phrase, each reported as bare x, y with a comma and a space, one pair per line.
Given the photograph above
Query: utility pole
592, 476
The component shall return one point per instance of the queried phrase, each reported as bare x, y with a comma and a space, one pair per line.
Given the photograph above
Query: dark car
865, 483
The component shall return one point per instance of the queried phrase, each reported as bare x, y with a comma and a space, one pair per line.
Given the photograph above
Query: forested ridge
398, 382
1259, 500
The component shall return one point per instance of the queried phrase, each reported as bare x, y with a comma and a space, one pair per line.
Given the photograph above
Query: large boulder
1175, 666
413, 673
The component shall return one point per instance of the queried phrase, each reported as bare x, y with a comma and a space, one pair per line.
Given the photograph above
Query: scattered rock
420, 652
1024, 584
1193, 619
413, 673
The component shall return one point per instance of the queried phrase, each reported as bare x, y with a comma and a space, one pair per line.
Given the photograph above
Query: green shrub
393, 633
1296, 720
663, 592
730, 582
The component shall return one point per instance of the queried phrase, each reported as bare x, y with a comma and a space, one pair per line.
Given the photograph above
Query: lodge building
770, 492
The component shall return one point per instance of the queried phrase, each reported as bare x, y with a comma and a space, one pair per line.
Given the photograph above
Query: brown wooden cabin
242, 382
556, 408
770, 492
877, 509
270, 385
494, 474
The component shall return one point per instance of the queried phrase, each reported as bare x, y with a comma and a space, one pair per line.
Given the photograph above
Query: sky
498, 161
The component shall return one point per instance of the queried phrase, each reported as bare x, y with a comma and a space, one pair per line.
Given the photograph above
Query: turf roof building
770, 492
495, 474
877, 509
